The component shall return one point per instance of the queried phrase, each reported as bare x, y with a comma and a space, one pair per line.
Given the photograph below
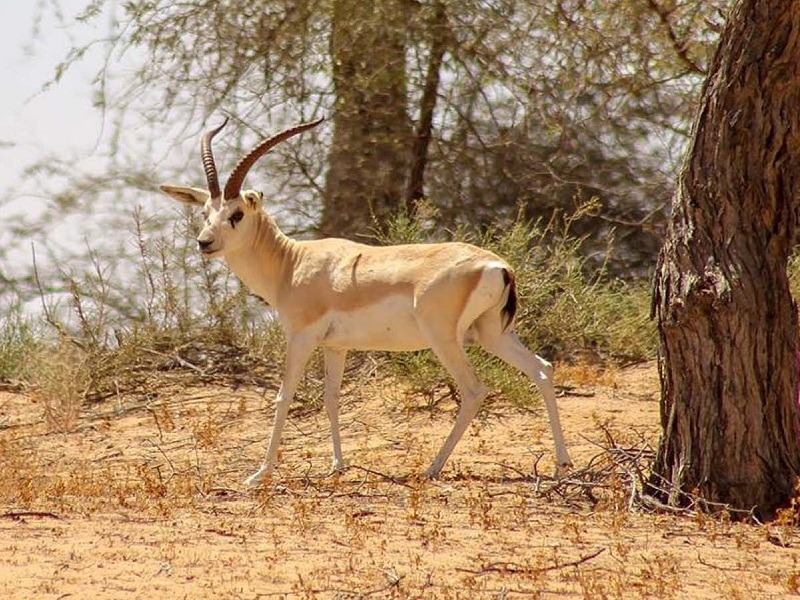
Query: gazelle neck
274, 251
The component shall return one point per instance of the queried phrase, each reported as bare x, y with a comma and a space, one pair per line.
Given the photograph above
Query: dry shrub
60, 377
20, 475
587, 374
191, 316
207, 427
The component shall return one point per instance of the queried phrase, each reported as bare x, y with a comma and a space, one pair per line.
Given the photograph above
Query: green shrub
563, 310
17, 342
188, 313
174, 312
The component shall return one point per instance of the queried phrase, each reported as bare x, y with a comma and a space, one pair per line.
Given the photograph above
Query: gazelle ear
253, 198
187, 195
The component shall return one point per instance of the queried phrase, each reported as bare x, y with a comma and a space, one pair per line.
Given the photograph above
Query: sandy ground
143, 499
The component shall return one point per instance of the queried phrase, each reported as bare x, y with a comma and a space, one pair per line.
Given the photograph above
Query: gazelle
343, 296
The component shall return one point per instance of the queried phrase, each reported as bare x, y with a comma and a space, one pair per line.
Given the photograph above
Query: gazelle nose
204, 244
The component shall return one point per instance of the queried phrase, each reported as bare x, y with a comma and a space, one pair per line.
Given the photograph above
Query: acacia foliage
537, 102
532, 103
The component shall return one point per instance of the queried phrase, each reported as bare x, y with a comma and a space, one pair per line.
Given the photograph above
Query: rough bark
726, 318
415, 189
371, 131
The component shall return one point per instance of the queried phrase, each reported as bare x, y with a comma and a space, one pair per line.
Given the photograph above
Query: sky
35, 122
39, 120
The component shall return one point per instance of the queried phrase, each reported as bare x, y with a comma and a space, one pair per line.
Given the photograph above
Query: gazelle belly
388, 324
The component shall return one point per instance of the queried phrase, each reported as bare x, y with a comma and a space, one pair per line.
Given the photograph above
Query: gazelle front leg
334, 370
298, 351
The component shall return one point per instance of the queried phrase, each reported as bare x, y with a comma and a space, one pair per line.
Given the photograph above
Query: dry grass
123, 461
142, 497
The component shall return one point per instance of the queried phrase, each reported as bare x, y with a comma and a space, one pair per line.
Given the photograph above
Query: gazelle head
228, 213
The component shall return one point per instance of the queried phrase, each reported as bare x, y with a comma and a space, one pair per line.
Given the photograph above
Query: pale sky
35, 123
62, 120
32, 122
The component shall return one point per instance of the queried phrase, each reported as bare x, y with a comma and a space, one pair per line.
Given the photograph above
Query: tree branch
678, 45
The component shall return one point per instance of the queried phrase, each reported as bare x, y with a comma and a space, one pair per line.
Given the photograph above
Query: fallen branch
19, 515
384, 476
509, 568
178, 359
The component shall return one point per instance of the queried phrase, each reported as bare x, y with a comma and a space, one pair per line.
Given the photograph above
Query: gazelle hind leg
473, 392
508, 347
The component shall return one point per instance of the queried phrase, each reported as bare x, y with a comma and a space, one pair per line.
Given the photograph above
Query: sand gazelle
343, 295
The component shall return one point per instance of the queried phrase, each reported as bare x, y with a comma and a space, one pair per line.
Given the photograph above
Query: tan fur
343, 295
305, 280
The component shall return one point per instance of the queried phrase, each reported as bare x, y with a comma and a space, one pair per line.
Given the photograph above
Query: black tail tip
509, 310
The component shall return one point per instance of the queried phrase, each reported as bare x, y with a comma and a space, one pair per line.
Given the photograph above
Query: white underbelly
387, 325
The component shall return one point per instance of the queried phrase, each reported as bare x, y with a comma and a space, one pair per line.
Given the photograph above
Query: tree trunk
415, 189
371, 130
726, 318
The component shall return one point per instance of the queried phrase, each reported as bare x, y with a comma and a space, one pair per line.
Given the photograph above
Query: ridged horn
234, 185
208, 160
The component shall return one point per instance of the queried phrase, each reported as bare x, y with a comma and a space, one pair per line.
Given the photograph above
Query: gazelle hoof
256, 478
563, 469
432, 473
337, 466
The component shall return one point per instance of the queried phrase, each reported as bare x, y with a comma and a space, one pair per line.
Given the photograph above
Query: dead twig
178, 359
20, 515
510, 568
737, 569
616, 467
383, 476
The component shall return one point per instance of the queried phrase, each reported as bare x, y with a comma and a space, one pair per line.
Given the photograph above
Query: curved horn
208, 160
234, 185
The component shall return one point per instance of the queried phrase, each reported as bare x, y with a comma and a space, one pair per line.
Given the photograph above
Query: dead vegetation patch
144, 495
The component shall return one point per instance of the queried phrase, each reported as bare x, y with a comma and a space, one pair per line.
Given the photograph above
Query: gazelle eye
236, 217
